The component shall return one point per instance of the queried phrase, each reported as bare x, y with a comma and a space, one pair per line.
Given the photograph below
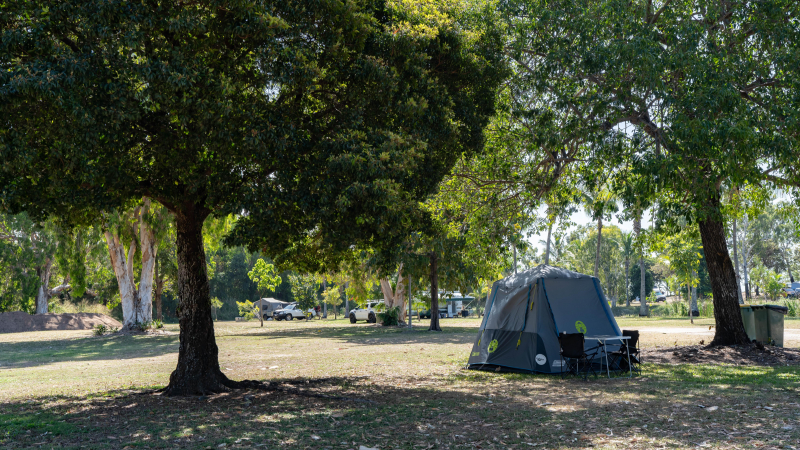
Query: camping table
602, 341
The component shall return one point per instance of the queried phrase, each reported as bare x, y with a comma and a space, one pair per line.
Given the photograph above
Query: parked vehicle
370, 313
292, 312
660, 296
450, 307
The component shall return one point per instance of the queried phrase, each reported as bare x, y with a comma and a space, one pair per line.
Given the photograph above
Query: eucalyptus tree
312, 117
705, 90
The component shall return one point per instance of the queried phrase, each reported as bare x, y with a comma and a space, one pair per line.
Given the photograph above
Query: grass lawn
343, 386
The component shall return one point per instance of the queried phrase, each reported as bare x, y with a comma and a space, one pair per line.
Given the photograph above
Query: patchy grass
386, 387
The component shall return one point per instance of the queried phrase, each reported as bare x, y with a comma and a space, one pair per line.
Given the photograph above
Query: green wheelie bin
749, 321
769, 323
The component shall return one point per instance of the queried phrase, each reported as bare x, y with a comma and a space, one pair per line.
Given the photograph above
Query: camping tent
526, 312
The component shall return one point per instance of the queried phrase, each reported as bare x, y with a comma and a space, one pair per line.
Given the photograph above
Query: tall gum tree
703, 90
311, 116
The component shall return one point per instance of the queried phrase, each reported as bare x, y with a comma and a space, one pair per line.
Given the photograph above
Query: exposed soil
745, 355
18, 322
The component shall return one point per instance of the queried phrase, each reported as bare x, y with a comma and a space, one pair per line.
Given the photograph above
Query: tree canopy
316, 118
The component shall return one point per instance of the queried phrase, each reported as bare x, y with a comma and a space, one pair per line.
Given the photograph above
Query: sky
580, 218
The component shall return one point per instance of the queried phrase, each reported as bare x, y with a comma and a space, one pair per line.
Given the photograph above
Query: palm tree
599, 204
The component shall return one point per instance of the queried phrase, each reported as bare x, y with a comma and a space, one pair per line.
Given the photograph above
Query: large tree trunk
736, 262
198, 371
346, 301
784, 252
637, 228
597, 252
159, 291
43, 293
693, 308
729, 327
124, 274
434, 293
324, 305
746, 257
547, 245
147, 238
396, 297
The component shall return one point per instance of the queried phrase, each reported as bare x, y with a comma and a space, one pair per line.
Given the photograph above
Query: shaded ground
736, 355
391, 389
19, 322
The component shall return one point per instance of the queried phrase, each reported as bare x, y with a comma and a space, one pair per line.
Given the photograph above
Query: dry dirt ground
333, 385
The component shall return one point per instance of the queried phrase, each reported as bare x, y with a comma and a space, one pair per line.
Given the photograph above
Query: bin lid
745, 307
778, 308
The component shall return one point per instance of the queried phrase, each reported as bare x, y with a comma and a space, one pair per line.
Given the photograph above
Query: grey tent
526, 312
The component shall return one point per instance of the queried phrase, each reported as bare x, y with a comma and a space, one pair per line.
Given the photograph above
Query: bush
794, 308
390, 317
101, 329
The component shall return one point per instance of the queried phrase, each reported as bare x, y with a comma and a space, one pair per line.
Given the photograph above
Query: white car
291, 312
370, 314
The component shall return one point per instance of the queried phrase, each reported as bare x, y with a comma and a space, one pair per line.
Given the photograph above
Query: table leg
605, 352
628, 351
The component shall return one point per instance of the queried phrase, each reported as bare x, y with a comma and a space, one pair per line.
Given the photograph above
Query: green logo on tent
493, 346
580, 327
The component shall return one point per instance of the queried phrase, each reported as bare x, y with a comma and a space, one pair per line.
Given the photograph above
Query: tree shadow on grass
371, 335
35, 353
467, 410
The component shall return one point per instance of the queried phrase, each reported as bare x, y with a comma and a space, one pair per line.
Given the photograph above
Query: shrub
101, 329
247, 309
794, 308
390, 317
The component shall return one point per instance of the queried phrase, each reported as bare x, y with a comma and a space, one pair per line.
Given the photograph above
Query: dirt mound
746, 355
18, 321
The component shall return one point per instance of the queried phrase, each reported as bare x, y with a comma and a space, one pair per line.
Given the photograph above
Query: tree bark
784, 251
324, 305
43, 294
395, 298
736, 262
693, 309
346, 301
637, 228
147, 238
434, 293
159, 291
597, 252
729, 327
627, 281
745, 257
124, 274
547, 245
198, 371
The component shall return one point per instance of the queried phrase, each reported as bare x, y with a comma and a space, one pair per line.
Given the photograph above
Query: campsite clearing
393, 388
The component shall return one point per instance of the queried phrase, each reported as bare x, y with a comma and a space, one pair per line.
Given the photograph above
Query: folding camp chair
578, 358
629, 347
